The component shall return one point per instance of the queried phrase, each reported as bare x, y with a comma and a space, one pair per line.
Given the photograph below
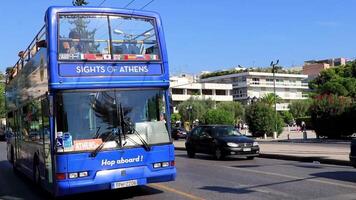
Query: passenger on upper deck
75, 45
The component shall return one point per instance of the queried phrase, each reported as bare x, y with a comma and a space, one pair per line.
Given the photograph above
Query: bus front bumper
104, 180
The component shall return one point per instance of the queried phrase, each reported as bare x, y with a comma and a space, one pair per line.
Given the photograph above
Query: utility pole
274, 69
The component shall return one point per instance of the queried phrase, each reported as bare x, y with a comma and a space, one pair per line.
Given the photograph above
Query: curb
297, 158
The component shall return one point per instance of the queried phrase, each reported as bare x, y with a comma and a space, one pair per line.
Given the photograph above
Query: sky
209, 35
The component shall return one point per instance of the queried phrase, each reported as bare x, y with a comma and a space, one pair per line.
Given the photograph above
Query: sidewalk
337, 154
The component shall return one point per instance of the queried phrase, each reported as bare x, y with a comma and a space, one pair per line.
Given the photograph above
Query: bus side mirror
41, 43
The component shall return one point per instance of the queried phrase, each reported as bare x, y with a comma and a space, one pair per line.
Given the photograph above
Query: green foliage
79, 2
218, 116
233, 107
300, 108
175, 117
2, 100
333, 116
269, 99
237, 71
261, 119
198, 108
339, 80
286, 116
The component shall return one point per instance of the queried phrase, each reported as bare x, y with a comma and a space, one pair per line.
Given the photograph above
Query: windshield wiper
112, 136
145, 145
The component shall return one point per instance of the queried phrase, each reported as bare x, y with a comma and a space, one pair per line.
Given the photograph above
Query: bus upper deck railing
26, 55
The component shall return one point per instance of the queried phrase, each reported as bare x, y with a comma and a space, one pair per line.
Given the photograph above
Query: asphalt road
205, 178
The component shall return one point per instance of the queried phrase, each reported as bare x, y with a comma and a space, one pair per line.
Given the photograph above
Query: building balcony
270, 84
182, 97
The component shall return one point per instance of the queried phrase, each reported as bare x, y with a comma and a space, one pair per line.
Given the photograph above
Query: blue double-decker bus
87, 102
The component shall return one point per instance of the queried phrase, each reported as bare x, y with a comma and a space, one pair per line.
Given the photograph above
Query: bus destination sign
75, 70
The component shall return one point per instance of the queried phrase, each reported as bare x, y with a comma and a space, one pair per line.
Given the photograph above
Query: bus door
46, 153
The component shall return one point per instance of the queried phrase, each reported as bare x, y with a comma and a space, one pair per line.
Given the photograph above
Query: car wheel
250, 157
218, 154
190, 153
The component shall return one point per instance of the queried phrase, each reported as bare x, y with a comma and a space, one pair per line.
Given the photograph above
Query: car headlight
255, 144
231, 144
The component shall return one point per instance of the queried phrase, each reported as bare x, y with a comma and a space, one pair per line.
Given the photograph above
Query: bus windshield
92, 116
104, 37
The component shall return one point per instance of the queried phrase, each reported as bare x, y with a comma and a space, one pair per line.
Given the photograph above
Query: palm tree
270, 99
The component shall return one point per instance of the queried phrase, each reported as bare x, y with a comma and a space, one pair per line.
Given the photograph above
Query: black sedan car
179, 132
220, 141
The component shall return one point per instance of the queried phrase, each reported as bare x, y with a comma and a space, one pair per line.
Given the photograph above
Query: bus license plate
124, 184
246, 149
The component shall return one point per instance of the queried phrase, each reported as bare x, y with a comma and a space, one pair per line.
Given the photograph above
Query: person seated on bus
75, 45
121, 49
133, 49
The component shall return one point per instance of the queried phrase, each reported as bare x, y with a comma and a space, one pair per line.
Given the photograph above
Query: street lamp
274, 69
189, 109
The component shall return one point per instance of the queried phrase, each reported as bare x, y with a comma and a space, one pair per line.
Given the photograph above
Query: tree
79, 2
218, 116
175, 117
262, 119
81, 31
233, 107
286, 116
270, 99
300, 108
339, 80
194, 108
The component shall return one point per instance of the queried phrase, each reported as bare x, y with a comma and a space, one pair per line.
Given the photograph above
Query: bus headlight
157, 165
73, 175
83, 174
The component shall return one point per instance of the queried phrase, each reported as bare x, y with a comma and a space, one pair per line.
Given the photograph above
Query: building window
269, 80
207, 92
220, 92
177, 91
193, 92
255, 81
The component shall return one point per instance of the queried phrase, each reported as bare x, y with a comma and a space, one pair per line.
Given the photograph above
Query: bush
333, 116
175, 117
218, 116
234, 107
261, 119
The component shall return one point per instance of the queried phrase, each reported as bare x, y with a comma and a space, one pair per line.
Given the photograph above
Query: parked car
353, 152
220, 141
179, 132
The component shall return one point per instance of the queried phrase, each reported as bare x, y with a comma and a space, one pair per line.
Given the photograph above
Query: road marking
166, 188
291, 177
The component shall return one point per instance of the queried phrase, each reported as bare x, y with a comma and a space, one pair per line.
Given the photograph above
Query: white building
185, 86
252, 85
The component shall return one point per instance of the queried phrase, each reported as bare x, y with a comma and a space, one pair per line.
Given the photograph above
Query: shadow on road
124, 193
210, 157
338, 175
18, 186
230, 190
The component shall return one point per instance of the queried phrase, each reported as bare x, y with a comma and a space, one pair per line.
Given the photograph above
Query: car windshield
223, 131
104, 37
89, 117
